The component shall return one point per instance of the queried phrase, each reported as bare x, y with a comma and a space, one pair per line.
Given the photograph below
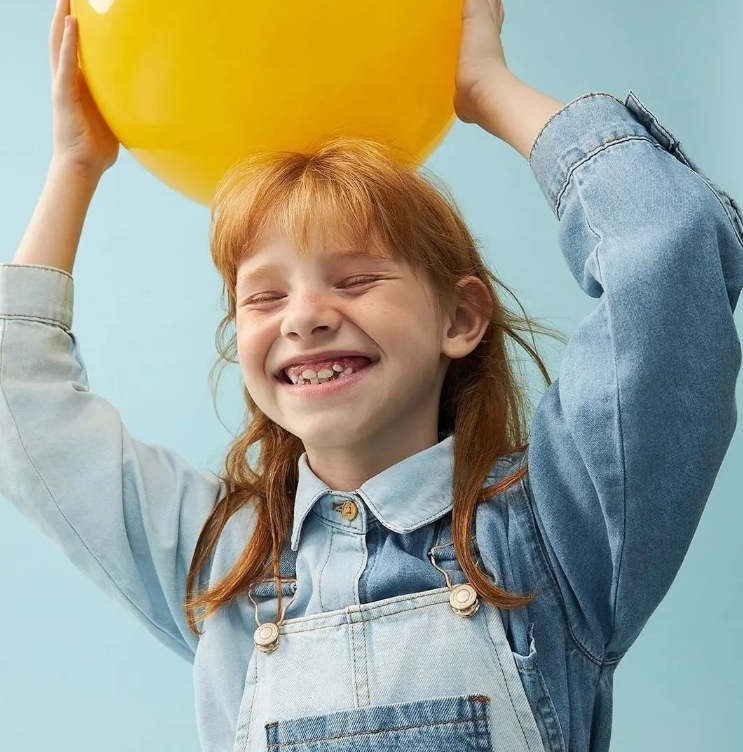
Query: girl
401, 569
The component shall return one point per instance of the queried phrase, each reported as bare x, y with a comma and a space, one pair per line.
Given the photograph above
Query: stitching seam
40, 267
564, 109
588, 156
622, 452
25, 317
526, 487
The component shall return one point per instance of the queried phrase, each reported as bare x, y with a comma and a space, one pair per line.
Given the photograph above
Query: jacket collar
404, 497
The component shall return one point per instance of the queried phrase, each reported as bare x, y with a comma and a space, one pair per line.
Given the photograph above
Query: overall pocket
455, 724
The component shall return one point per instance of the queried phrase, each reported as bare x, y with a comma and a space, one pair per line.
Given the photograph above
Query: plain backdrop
77, 673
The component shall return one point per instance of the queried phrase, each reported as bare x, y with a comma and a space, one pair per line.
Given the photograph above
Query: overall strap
288, 572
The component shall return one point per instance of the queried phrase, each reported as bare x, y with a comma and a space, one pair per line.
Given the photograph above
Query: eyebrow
267, 269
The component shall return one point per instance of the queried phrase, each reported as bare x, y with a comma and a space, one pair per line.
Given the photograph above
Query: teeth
309, 376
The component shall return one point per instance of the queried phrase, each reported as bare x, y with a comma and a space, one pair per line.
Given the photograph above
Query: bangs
318, 219
349, 197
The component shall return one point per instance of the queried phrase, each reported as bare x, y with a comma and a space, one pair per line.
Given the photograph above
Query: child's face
319, 303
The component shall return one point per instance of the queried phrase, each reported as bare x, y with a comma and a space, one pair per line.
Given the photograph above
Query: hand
481, 57
82, 139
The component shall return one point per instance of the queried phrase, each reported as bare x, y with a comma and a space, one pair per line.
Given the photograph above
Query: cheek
403, 324
242, 359
253, 354
246, 353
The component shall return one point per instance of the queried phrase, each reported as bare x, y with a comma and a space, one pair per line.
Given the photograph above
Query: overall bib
421, 673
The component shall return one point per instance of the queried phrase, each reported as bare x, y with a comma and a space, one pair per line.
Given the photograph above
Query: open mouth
330, 386
284, 378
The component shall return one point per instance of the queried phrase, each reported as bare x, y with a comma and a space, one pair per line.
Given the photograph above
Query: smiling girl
412, 561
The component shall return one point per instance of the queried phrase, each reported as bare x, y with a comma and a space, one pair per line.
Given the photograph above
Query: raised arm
487, 92
126, 513
84, 148
626, 444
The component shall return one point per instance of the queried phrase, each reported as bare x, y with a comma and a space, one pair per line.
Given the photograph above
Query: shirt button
349, 510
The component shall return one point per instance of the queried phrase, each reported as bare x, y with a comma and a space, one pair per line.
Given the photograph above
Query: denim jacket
624, 447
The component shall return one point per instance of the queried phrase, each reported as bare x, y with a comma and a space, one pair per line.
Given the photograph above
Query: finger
496, 8
491, 7
479, 33
66, 79
499, 12
56, 32
478, 10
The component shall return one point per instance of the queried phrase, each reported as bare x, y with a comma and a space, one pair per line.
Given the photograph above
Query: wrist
74, 174
515, 112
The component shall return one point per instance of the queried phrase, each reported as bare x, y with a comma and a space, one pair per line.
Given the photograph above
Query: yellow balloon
191, 87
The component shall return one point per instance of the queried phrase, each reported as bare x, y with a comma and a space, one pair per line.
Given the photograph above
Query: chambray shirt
624, 447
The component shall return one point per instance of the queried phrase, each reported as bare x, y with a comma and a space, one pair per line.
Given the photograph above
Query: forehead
275, 253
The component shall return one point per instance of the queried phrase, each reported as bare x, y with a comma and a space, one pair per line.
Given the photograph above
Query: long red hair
367, 192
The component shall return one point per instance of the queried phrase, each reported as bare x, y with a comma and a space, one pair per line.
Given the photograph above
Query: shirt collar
404, 497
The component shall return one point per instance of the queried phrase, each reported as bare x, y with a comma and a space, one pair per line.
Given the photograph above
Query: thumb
479, 30
65, 79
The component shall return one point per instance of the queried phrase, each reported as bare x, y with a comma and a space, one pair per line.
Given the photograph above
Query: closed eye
365, 279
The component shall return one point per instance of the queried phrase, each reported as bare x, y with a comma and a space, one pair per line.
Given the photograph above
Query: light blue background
76, 672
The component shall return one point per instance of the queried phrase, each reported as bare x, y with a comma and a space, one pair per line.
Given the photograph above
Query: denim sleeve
626, 443
127, 514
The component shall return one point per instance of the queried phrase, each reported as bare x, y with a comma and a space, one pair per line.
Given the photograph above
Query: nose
308, 314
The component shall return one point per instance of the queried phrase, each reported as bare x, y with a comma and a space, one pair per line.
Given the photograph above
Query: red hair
371, 197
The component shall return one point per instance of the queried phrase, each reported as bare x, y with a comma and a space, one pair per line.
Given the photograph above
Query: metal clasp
266, 636
463, 598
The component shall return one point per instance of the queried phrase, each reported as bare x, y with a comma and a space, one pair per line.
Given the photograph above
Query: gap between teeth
308, 376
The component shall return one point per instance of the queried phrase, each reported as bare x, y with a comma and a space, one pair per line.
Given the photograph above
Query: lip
331, 387
320, 357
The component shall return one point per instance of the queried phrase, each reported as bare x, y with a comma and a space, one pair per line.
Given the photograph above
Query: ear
468, 321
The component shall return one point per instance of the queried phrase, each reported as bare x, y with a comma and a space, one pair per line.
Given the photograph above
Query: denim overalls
421, 672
